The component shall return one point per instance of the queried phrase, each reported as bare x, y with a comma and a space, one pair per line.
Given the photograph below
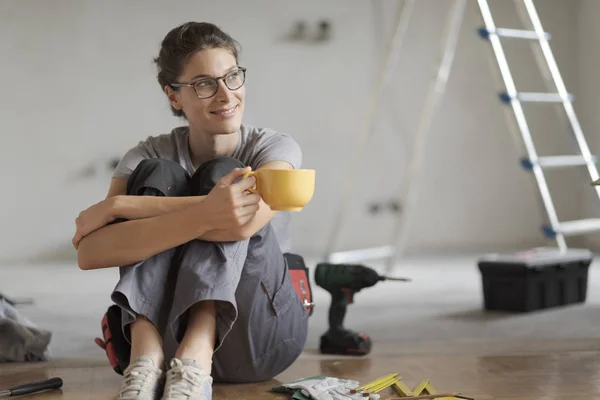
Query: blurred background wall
79, 89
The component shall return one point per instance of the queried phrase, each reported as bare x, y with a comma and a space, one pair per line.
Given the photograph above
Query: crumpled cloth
20, 339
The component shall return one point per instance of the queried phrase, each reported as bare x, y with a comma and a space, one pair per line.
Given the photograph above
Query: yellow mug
284, 189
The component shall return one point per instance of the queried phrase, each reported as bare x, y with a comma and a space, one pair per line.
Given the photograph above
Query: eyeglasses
207, 87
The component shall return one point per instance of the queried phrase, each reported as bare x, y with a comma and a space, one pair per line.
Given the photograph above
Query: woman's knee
158, 177
210, 172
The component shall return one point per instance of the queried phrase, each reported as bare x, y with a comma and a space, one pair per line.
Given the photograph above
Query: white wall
79, 87
588, 57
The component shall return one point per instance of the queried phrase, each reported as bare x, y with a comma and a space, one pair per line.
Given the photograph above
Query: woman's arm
118, 205
226, 208
133, 207
132, 241
263, 216
138, 207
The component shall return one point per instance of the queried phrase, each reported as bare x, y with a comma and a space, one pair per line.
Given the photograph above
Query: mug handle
252, 173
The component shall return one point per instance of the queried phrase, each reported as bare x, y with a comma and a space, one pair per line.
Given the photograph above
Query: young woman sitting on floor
204, 287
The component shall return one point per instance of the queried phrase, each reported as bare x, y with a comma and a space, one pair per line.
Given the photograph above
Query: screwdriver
53, 383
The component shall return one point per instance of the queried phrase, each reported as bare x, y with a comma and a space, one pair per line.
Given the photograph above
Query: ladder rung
511, 33
557, 161
573, 228
532, 97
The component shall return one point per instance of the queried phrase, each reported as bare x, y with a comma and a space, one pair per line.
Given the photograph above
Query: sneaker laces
139, 379
185, 380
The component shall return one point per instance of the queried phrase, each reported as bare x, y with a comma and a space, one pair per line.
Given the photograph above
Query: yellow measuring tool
379, 384
433, 396
423, 391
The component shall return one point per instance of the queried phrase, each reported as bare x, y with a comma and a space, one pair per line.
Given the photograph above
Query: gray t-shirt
256, 147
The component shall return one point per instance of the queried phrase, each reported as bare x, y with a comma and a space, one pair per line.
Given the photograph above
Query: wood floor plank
573, 375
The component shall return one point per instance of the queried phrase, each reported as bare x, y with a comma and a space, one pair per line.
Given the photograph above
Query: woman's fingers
244, 220
245, 184
248, 210
248, 199
231, 177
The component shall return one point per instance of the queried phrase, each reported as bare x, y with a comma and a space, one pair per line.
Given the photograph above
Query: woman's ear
173, 97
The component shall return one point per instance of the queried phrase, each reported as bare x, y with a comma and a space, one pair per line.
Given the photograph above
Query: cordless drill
342, 281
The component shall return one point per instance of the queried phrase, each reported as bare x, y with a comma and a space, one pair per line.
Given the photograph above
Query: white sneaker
141, 381
187, 381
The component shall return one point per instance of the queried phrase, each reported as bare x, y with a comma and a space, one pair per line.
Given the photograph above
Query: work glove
326, 388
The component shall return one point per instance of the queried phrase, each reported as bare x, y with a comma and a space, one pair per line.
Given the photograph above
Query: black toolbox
534, 279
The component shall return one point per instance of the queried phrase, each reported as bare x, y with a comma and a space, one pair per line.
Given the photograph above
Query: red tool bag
115, 344
118, 349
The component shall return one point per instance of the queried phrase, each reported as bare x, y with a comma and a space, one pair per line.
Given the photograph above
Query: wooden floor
573, 375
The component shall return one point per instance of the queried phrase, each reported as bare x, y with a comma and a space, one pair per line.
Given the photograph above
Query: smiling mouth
225, 112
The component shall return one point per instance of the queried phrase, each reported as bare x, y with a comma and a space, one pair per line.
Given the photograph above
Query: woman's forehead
209, 63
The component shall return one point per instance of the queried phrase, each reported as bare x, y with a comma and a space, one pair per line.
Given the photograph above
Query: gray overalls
261, 322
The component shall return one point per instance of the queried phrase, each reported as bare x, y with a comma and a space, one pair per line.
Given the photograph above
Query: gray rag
20, 339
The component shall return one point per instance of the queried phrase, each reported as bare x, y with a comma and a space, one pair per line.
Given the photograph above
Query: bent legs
199, 339
229, 306
271, 329
143, 290
146, 340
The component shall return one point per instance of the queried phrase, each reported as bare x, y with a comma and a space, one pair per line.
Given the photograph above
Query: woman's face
217, 115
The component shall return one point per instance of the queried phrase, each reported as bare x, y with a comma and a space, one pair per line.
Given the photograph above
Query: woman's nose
223, 91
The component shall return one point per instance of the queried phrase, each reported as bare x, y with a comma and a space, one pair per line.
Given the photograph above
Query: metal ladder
558, 230
555, 229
